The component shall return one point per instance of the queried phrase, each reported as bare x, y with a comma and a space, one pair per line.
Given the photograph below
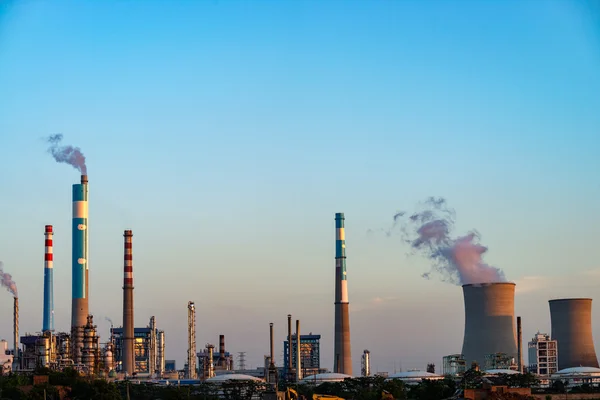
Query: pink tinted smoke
467, 257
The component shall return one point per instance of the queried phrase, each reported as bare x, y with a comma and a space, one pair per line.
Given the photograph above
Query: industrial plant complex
492, 341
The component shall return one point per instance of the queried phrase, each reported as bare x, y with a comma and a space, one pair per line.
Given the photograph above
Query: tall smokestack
16, 333
289, 366
298, 359
80, 305
342, 357
571, 321
271, 344
489, 321
222, 360
128, 334
48, 319
520, 345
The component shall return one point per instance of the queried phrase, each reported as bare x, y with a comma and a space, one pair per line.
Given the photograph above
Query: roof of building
326, 377
415, 375
232, 377
579, 370
498, 371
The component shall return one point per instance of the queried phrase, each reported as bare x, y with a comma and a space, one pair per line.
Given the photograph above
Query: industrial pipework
48, 317
342, 350
571, 321
128, 328
489, 321
80, 272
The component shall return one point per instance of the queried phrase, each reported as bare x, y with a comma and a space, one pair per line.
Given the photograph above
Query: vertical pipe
128, 330
222, 361
289, 363
519, 345
298, 360
80, 301
16, 358
342, 356
48, 318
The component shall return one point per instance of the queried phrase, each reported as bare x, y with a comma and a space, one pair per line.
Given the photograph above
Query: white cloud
576, 280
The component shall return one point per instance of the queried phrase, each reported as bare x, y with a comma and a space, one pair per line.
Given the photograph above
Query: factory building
149, 345
501, 361
543, 355
6, 358
211, 363
310, 356
453, 364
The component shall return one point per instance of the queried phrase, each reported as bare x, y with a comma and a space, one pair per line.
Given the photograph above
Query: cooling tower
128, 329
489, 321
48, 316
80, 305
342, 362
571, 321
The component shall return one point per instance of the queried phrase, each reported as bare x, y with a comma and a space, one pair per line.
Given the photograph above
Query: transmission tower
191, 361
242, 360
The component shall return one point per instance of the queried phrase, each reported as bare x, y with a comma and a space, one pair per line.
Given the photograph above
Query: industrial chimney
571, 321
489, 321
289, 366
298, 355
342, 357
80, 290
222, 359
16, 358
128, 330
519, 345
48, 317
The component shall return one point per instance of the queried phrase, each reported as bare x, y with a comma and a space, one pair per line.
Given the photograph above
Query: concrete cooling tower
489, 321
571, 321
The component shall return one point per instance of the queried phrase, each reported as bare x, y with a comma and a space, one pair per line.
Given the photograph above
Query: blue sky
226, 134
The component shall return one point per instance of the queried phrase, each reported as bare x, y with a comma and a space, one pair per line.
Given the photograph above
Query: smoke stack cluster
48, 318
342, 349
128, 329
489, 321
571, 321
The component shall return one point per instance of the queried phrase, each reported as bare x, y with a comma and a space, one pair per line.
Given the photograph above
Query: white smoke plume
67, 154
7, 282
109, 320
457, 259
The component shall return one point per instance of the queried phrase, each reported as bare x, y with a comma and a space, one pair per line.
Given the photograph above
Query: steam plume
109, 320
457, 259
7, 282
66, 154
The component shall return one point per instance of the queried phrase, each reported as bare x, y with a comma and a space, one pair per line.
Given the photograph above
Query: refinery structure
492, 332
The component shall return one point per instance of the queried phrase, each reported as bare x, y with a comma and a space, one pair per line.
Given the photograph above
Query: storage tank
571, 321
489, 321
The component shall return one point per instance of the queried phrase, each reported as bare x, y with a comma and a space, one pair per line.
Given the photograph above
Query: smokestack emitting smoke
79, 263
342, 361
457, 259
128, 334
67, 154
16, 332
48, 318
7, 281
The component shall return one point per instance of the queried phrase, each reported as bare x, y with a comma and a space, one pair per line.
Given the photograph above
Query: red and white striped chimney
128, 334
